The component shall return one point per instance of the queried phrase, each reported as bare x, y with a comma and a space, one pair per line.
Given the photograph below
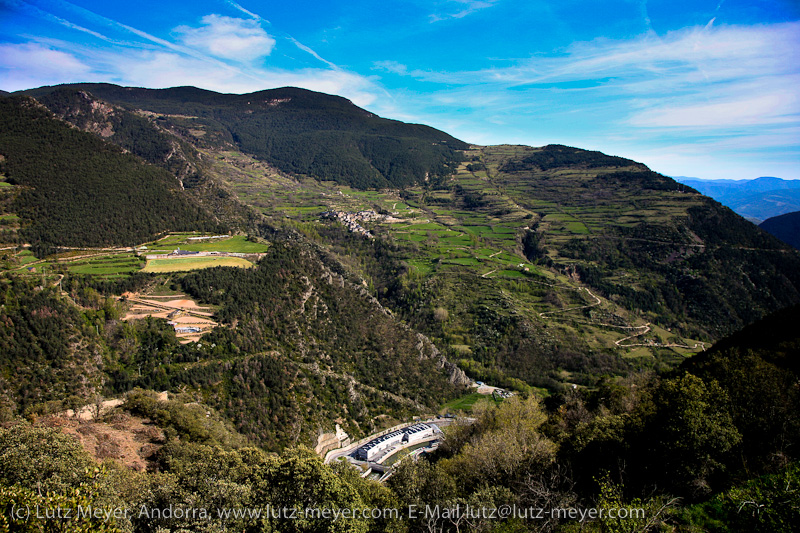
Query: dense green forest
80, 191
156, 142
45, 344
556, 155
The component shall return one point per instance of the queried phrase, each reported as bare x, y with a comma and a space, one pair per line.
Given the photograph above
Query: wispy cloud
313, 54
685, 56
250, 14
700, 76
461, 9
768, 102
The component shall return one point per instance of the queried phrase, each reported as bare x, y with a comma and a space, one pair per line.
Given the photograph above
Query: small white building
377, 446
417, 433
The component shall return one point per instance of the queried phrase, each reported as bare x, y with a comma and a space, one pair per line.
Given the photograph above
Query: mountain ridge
297, 130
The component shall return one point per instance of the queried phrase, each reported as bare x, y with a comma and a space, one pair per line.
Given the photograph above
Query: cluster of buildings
351, 220
378, 446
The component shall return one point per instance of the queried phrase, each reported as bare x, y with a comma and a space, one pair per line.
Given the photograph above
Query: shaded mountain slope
77, 190
759, 367
785, 227
155, 143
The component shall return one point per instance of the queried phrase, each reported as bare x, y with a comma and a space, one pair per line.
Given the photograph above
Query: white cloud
30, 64
700, 77
228, 38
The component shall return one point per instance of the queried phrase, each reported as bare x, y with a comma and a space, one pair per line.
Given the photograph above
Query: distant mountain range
785, 227
756, 200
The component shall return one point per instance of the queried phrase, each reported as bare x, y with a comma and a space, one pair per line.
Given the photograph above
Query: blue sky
695, 88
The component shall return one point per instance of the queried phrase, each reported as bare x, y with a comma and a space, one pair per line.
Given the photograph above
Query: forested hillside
156, 144
49, 351
77, 190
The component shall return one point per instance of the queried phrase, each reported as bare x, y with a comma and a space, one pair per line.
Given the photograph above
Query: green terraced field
111, 265
234, 244
465, 237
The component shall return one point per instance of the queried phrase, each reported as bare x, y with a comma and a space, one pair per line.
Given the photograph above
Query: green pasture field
463, 261
511, 273
466, 402
235, 244
26, 257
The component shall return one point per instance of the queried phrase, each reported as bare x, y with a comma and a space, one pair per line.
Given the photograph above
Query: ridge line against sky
695, 88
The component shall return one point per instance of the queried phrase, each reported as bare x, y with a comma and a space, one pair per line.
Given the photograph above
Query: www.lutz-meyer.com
436, 512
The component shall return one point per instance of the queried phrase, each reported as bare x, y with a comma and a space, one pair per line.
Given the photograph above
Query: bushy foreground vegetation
688, 451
